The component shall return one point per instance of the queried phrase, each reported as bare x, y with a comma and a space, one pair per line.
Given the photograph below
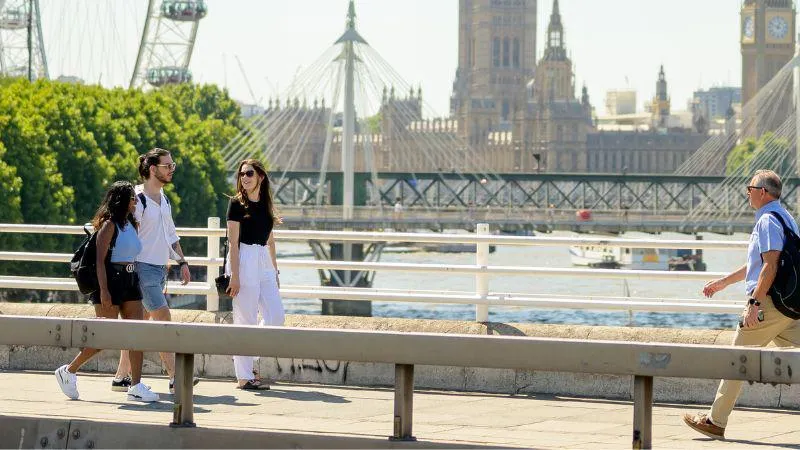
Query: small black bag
785, 290
223, 280
83, 265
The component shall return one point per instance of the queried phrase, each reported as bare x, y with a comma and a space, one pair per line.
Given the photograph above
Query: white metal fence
482, 298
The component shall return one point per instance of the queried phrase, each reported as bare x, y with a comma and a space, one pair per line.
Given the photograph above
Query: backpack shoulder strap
143, 199
786, 229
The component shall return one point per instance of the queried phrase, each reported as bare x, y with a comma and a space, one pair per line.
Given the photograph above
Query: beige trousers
777, 328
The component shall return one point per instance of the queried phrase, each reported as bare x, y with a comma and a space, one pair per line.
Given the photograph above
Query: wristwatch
753, 301
182, 262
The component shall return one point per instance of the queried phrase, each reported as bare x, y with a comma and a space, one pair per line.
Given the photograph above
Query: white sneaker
142, 393
68, 382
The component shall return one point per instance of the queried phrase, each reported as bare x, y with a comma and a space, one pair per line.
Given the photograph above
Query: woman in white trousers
252, 263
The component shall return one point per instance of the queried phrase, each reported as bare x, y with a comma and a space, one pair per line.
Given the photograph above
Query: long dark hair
264, 192
114, 206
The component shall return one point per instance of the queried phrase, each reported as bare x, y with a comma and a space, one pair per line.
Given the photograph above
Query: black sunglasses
247, 173
750, 188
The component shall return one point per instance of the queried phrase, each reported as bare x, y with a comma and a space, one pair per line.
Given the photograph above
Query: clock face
778, 27
749, 27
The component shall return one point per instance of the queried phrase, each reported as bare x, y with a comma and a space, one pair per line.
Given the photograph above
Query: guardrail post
642, 412
482, 279
212, 297
183, 409
403, 402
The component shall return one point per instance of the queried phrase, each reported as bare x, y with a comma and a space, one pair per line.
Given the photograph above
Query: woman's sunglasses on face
247, 173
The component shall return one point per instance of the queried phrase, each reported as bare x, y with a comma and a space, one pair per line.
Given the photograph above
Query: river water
716, 260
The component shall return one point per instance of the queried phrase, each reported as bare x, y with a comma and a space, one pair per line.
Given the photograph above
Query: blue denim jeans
152, 281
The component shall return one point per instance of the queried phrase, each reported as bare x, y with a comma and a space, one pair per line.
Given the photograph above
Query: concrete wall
431, 377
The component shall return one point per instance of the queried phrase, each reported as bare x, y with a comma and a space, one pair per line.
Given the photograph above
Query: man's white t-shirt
156, 229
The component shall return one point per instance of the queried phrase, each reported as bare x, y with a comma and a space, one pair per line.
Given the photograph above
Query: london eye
140, 44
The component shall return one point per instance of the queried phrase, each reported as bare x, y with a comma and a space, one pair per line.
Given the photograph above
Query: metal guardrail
481, 270
643, 361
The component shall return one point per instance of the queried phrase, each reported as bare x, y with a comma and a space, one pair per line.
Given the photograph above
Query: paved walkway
461, 418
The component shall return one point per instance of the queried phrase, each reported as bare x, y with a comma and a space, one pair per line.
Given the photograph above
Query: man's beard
163, 179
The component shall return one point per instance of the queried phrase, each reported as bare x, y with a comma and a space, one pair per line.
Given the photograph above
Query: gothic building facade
496, 58
767, 40
553, 124
516, 113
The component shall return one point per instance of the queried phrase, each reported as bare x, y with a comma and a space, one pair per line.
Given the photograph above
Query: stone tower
496, 57
661, 107
555, 122
767, 40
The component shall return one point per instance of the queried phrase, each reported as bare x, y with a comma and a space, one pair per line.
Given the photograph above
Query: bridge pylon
344, 193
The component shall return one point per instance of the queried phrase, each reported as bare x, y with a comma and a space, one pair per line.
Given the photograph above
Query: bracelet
182, 262
753, 301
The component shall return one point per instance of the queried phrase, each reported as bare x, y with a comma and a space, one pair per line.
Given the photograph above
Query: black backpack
83, 265
785, 290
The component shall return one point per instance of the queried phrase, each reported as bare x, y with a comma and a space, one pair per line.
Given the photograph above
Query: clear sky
613, 43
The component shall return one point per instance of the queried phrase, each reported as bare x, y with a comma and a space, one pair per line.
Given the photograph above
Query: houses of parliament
520, 112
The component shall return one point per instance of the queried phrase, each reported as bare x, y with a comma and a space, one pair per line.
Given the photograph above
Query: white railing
482, 298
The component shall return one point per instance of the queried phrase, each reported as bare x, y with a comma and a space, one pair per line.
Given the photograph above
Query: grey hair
770, 181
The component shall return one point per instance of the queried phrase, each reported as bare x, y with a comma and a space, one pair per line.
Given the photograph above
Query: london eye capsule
184, 10
14, 19
161, 76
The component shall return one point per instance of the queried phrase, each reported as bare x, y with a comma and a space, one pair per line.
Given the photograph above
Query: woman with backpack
251, 261
117, 244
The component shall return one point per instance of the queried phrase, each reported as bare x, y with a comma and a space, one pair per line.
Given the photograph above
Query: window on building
555, 39
496, 52
560, 133
472, 54
506, 109
506, 51
515, 55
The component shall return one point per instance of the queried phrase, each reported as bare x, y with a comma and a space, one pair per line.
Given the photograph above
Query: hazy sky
613, 43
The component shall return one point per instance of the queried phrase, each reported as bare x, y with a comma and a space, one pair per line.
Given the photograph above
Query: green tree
61, 145
768, 152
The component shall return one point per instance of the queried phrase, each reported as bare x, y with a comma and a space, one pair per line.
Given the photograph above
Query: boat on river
601, 256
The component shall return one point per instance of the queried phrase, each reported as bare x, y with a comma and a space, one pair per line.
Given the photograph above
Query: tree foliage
768, 152
62, 144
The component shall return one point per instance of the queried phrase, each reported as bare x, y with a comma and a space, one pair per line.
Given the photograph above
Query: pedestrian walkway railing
643, 361
481, 297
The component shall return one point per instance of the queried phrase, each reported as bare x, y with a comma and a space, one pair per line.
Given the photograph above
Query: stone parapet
504, 381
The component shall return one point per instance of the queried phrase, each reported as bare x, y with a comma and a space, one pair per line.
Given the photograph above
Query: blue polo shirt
767, 235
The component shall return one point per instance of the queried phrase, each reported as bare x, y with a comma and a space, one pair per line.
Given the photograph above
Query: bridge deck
326, 411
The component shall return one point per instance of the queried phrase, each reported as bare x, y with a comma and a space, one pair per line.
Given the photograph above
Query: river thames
716, 260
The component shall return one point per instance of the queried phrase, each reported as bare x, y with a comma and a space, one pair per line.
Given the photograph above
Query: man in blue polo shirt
761, 323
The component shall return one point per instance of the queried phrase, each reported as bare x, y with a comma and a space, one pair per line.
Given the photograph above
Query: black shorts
123, 285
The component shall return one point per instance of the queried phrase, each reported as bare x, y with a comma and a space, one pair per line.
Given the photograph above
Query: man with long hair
160, 242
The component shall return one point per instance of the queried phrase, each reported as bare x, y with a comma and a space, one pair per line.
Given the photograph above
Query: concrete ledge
39, 432
433, 377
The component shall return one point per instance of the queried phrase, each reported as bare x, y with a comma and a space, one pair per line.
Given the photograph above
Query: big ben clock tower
768, 42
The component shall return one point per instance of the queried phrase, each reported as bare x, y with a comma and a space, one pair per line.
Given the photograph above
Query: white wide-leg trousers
258, 293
